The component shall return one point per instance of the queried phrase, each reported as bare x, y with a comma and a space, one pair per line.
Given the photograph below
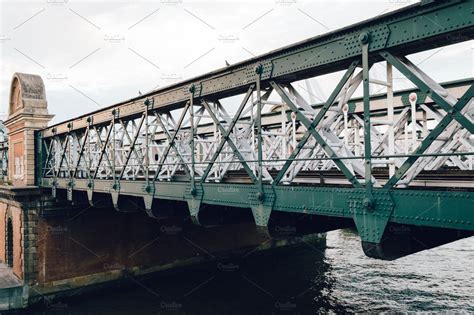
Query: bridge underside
398, 166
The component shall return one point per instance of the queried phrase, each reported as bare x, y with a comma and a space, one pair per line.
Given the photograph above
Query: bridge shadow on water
308, 278
292, 280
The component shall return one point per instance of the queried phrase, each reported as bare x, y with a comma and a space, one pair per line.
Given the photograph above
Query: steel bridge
401, 158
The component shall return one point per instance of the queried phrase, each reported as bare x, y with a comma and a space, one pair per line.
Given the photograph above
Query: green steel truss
180, 142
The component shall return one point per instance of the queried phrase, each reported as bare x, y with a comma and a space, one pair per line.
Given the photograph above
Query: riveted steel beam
443, 209
365, 38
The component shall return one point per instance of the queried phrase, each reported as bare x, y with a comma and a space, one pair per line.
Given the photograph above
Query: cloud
94, 54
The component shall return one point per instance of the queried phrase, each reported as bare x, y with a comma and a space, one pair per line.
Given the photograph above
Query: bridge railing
157, 146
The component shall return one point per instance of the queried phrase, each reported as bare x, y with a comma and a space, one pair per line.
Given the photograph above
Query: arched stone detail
27, 92
28, 112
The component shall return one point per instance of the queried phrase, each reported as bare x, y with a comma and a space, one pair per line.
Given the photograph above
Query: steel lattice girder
415, 28
105, 151
370, 222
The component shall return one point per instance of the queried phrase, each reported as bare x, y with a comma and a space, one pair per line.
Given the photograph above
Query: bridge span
398, 158
250, 139
243, 146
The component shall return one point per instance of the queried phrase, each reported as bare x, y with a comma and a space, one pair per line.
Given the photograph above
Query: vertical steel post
147, 145
69, 154
364, 39
259, 71
192, 89
113, 147
391, 118
39, 159
412, 98
283, 132
89, 175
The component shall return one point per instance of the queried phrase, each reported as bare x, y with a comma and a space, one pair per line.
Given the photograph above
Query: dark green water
305, 280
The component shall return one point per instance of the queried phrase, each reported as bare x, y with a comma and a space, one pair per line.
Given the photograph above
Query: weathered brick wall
102, 240
15, 214
30, 243
22, 210
3, 232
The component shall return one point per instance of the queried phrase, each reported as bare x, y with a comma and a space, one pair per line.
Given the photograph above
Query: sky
97, 53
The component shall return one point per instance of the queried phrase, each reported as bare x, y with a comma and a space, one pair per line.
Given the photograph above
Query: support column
27, 113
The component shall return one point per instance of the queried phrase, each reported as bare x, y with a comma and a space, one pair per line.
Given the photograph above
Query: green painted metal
103, 145
258, 125
316, 121
227, 134
173, 145
432, 137
191, 144
307, 123
365, 39
81, 152
371, 219
431, 208
231, 143
400, 31
415, 75
132, 144
372, 208
171, 140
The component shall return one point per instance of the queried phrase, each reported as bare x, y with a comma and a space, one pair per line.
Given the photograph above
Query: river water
304, 280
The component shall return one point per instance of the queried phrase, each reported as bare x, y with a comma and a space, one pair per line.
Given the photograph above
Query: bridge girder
181, 143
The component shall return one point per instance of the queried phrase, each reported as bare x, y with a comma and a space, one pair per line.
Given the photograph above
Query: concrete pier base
13, 294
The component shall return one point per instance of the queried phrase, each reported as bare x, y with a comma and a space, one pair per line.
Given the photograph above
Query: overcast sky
94, 54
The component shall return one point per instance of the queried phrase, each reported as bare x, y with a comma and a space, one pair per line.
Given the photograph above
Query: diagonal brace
312, 130
226, 138
463, 101
171, 140
132, 144
317, 120
417, 77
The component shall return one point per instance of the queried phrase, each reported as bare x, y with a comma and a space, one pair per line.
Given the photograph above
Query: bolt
367, 202
260, 196
364, 38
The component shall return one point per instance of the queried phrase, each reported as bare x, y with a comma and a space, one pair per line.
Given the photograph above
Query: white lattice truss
158, 146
